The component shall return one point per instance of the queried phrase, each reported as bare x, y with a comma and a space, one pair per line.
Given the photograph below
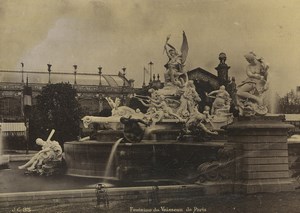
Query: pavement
79, 196
15, 180
287, 202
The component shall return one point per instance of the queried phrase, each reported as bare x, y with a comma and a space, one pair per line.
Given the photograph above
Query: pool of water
15, 180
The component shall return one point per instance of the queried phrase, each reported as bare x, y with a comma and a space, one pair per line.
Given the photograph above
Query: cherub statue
206, 112
196, 123
250, 92
151, 102
158, 107
176, 62
164, 107
196, 126
222, 99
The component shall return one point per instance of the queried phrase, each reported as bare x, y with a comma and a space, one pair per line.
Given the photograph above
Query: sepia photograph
157, 106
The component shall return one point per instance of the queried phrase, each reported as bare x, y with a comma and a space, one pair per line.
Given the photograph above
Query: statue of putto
51, 151
159, 107
221, 102
250, 92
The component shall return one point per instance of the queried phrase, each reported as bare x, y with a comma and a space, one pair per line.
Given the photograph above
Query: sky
131, 33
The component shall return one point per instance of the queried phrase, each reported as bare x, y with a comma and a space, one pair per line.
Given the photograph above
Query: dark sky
132, 33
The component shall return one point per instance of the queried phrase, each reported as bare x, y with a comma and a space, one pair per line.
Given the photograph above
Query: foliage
56, 108
290, 104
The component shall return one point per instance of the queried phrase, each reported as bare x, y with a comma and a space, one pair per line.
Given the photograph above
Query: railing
102, 76
9, 86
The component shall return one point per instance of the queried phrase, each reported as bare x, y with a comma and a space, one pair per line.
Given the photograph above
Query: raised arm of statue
171, 51
213, 92
168, 54
217, 93
166, 46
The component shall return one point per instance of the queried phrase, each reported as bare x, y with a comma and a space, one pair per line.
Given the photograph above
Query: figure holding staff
176, 62
51, 150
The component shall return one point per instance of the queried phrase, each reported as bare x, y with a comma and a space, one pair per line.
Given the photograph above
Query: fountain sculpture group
143, 145
176, 102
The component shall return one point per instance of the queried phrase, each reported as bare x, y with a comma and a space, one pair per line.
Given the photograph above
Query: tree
56, 108
290, 103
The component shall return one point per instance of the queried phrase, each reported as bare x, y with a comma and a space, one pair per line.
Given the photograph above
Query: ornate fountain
165, 142
155, 144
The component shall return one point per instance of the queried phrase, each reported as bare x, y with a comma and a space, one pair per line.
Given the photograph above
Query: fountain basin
138, 161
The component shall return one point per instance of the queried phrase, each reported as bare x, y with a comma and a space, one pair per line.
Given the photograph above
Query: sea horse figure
118, 110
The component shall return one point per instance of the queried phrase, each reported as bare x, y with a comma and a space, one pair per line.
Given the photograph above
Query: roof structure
58, 77
200, 74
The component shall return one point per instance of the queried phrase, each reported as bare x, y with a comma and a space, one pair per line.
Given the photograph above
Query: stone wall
294, 158
260, 145
136, 161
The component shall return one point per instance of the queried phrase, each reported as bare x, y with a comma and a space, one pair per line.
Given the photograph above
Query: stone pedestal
261, 154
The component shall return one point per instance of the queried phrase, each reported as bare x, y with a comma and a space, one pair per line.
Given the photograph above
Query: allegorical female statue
176, 62
250, 92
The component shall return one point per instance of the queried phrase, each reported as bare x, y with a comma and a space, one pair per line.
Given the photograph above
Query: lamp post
49, 70
124, 73
150, 68
223, 69
27, 103
22, 64
100, 74
75, 72
123, 89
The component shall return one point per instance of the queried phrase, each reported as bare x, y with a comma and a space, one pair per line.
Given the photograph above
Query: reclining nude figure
51, 150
